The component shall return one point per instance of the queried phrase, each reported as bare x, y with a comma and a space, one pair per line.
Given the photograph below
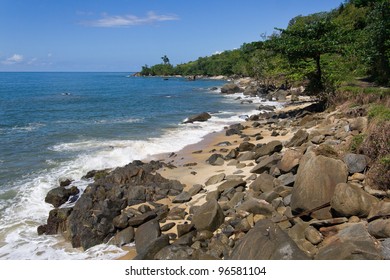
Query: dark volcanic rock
56, 222
209, 216
123, 237
266, 241
202, 117
60, 195
152, 248
215, 159
175, 252
146, 234
140, 219
91, 221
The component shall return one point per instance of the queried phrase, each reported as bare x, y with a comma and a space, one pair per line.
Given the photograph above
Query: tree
165, 59
308, 38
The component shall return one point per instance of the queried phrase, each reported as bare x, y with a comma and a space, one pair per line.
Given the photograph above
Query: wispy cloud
130, 20
16, 58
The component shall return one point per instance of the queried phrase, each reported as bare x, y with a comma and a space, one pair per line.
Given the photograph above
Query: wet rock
230, 89
60, 195
349, 200
56, 222
266, 241
315, 184
209, 216
202, 117
123, 237
65, 183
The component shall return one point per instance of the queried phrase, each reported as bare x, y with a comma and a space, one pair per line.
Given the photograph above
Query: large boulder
202, 117
266, 241
264, 183
349, 200
230, 89
315, 183
350, 243
146, 234
209, 216
266, 163
256, 206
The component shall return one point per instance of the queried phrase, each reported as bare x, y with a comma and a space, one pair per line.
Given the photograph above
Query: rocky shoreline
281, 185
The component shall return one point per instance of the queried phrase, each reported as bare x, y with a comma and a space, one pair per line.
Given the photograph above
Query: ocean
56, 126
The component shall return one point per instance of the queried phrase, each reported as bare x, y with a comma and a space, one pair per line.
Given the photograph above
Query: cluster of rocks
305, 198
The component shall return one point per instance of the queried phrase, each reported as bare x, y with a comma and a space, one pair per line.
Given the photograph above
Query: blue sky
123, 35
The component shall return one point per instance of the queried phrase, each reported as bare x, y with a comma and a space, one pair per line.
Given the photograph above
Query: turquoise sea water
61, 125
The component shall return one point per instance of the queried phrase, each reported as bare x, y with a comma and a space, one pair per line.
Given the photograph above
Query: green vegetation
357, 142
323, 51
379, 112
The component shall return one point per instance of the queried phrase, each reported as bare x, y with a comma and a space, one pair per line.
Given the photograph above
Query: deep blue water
61, 125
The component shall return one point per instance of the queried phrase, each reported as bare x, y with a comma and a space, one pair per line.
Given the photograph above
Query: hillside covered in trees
324, 49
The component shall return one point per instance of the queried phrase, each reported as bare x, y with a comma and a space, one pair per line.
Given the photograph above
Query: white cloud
217, 52
130, 20
16, 58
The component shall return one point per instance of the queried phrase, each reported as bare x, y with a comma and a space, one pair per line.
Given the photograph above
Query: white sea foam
27, 128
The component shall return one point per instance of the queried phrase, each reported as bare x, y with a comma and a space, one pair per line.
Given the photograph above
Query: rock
230, 89
266, 108
349, 200
232, 131
315, 183
246, 156
246, 146
379, 210
328, 222
175, 252
144, 208
266, 241
202, 117
231, 184
358, 177
209, 216
215, 179
298, 139
232, 154
167, 226
146, 234
379, 228
313, 236
215, 159
123, 237
264, 183
290, 161
195, 189
359, 124
65, 183
183, 197
56, 222
176, 213
60, 195
265, 164
121, 221
256, 206
285, 179
139, 220
183, 229
152, 248
268, 149
356, 163
350, 243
